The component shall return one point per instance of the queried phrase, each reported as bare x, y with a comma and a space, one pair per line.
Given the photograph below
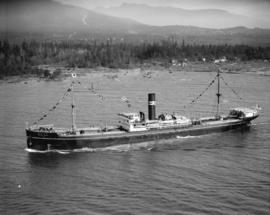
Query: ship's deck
169, 129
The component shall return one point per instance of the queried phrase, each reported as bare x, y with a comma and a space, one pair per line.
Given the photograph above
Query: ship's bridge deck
131, 117
243, 112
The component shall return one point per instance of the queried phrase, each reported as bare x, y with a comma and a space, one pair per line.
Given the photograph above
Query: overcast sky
253, 8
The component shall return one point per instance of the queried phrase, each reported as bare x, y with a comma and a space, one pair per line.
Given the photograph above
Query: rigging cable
54, 107
197, 98
231, 89
93, 90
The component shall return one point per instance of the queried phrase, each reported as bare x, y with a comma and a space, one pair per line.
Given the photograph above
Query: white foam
187, 137
128, 147
85, 149
35, 151
261, 123
197, 136
61, 152
47, 151
118, 148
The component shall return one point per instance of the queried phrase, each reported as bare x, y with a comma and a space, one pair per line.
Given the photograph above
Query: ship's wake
149, 145
261, 123
188, 137
119, 148
35, 151
48, 151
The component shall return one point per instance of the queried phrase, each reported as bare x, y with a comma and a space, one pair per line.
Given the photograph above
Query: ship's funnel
151, 106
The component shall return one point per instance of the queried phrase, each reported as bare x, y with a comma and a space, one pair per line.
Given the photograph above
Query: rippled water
224, 173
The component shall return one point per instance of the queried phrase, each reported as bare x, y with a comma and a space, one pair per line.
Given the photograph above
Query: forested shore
23, 58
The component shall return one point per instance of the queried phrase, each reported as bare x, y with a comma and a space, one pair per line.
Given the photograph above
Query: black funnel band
151, 106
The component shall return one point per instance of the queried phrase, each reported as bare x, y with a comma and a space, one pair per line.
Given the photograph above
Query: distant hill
163, 16
50, 16
46, 17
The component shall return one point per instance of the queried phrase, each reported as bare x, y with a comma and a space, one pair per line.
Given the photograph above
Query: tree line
21, 58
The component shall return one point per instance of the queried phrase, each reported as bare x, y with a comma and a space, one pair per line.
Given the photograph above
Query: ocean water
222, 173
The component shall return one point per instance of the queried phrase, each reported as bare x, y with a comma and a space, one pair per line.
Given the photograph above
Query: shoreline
261, 68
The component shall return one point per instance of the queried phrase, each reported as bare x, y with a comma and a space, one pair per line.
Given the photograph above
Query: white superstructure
131, 122
243, 112
135, 122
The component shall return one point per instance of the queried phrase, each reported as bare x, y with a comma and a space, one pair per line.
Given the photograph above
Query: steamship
135, 128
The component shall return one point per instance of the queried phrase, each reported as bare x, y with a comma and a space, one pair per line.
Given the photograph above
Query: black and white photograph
114, 107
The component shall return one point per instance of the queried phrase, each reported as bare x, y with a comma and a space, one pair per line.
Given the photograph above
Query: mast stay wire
211, 83
93, 90
68, 91
231, 89
55, 106
201, 94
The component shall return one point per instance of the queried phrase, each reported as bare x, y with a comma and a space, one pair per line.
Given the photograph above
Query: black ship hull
51, 141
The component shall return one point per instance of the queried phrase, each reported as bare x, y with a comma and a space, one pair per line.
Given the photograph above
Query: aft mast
218, 92
73, 110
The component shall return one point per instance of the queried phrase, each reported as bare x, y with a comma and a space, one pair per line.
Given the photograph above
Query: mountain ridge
72, 22
163, 16
44, 16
